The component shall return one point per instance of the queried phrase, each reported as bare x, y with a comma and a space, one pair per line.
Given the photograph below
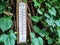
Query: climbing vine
7, 35
46, 22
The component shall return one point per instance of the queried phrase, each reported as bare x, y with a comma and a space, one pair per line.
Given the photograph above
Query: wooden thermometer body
21, 16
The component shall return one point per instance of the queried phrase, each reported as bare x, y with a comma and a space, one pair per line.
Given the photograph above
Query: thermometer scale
22, 22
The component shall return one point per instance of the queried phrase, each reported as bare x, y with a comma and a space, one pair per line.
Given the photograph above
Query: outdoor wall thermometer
22, 22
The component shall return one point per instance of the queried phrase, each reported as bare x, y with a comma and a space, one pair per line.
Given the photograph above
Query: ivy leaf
41, 1
3, 37
50, 22
2, 7
8, 39
51, 29
4, 1
32, 35
39, 11
5, 23
1, 11
35, 41
48, 5
57, 23
50, 40
8, 16
46, 15
12, 35
52, 11
40, 41
43, 33
39, 31
31, 44
36, 4
36, 18
58, 32
36, 29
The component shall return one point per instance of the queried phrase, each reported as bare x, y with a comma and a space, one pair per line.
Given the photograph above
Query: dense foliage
46, 24
7, 36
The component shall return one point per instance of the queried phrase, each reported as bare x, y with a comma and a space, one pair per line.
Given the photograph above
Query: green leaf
40, 41
1, 11
10, 31
41, 1
39, 31
48, 5
36, 4
3, 37
43, 33
4, 1
58, 32
39, 11
57, 22
7, 16
36, 29
46, 15
31, 44
58, 41
50, 40
58, 28
5, 23
50, 22
52, 11
32, 34
42, 9
12, 35
51, 29
2, 7
8, 39
35, 41
36, 18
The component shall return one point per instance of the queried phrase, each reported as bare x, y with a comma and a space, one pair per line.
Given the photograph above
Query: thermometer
22, 22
